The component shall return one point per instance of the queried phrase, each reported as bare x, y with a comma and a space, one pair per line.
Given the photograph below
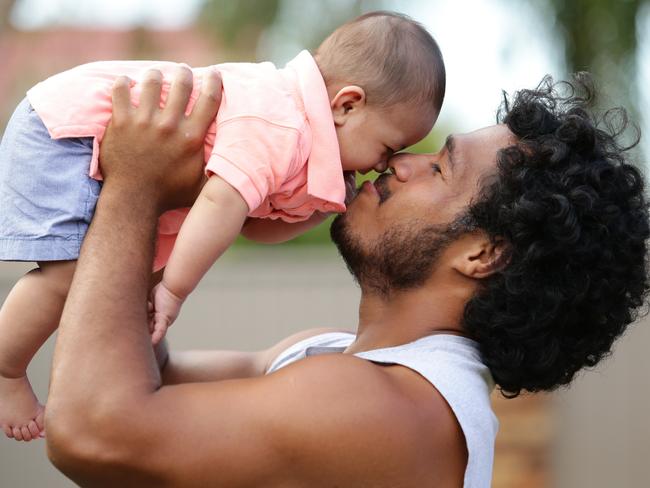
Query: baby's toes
17, 434
8, 432
33, 429
39, 420
27, 435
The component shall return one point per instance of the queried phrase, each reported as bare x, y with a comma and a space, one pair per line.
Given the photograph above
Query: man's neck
406, 316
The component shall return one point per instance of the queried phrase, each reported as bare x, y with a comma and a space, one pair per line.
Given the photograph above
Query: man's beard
400, 259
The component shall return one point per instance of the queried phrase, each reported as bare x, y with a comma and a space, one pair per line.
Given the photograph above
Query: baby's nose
381, 166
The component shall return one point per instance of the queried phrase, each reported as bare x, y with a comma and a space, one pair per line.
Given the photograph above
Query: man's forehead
487, 140
498, 133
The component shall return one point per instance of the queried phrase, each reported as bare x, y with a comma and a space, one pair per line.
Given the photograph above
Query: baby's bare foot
21, 416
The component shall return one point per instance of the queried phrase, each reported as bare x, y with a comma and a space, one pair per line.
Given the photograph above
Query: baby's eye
436, 168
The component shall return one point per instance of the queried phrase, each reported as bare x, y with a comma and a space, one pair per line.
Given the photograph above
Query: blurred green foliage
6, 7
237, 25
601, 36
241, 27
598, 32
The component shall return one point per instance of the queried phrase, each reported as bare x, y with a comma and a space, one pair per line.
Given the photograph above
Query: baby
275, 161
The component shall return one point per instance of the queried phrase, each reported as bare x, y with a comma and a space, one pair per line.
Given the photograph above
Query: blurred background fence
594, 434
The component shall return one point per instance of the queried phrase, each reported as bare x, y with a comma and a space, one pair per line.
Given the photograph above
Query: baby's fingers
160, 325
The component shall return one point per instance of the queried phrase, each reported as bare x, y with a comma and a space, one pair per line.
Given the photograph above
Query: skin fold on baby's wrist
177, 297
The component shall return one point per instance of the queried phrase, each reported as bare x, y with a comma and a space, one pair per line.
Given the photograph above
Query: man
524, 241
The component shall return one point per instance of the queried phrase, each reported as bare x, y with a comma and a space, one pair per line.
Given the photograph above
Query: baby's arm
269, 231
213, 223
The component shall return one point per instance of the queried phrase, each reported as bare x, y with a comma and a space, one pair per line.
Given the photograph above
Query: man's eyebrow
450, 143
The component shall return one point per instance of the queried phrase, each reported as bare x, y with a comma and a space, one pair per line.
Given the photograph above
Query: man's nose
405, 166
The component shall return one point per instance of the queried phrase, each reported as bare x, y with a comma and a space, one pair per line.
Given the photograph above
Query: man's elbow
71, 439
86, 447
69, 452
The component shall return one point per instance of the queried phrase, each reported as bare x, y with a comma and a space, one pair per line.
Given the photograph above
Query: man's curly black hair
572, 209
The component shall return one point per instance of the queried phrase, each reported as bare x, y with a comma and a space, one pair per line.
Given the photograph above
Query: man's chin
342, 238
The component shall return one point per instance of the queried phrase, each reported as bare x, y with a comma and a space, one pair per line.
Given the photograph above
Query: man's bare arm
107, 300
196, 366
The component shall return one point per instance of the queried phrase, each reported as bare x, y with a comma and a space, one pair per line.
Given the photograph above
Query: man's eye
436, 168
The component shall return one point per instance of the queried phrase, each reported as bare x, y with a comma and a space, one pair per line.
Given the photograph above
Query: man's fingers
179, 95
206, 107
150, 95
121, 98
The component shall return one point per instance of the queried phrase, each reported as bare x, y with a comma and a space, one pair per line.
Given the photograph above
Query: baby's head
385, 78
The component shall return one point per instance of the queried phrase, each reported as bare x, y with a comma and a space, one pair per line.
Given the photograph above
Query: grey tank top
452, 364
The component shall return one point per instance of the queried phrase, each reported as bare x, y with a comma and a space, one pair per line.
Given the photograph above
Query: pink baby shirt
273, 139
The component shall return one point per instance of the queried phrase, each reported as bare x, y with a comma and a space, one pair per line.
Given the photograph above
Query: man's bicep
209, 434
228, 433
249, 432
217, 365
200, 366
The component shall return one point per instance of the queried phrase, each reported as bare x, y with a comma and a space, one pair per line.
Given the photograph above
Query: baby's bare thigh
57, 275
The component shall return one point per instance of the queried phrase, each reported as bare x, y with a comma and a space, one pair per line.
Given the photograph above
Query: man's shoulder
346, 408
346, 378
269, 356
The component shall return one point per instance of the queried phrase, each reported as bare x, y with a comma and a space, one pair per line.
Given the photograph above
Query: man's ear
347, 99
478, 256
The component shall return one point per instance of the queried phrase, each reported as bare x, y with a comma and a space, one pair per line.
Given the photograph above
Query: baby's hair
391, 56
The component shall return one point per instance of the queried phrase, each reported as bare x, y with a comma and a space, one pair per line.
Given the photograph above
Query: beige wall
602, 423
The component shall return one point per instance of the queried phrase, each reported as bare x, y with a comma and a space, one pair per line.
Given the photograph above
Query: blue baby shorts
47, 198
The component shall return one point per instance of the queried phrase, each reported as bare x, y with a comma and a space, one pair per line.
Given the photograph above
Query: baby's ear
346, 101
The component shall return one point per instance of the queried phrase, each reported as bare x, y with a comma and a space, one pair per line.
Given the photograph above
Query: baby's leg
28, 317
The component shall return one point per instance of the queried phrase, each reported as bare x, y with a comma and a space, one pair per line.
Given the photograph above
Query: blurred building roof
29, 57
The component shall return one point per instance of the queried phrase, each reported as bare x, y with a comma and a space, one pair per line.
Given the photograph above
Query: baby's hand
166, 307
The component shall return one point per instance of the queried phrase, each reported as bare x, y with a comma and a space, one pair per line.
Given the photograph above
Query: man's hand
158, 153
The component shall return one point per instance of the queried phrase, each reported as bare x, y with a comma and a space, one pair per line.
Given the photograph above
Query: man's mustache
381, 184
